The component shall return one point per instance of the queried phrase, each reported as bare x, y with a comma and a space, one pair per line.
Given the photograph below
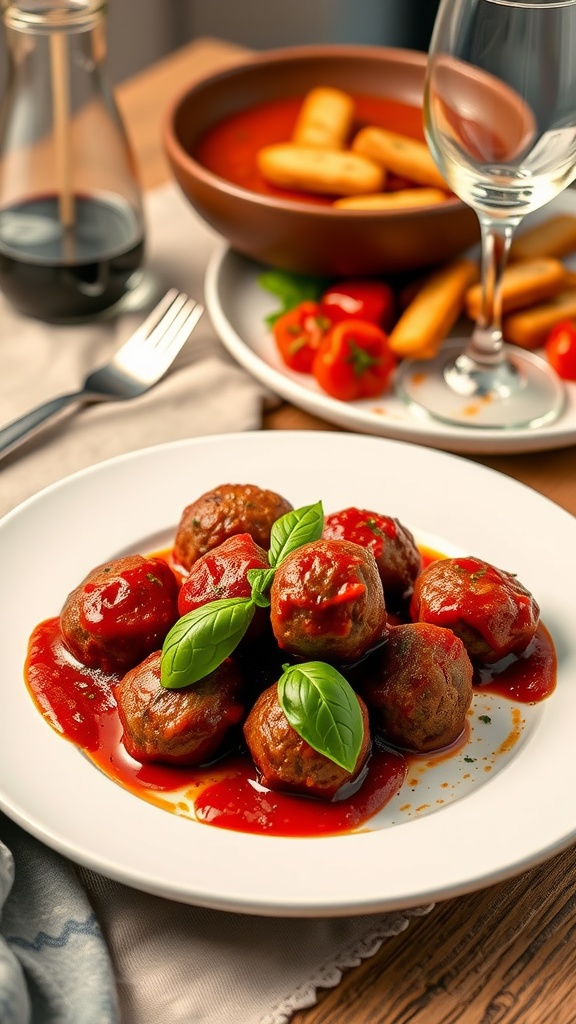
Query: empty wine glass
500, 120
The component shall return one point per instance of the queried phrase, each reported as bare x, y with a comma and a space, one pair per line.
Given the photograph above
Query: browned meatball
327, 602
187, 726
486, 607
397, 557
120, 613
286, 761
223, 573
224, 512
419, 687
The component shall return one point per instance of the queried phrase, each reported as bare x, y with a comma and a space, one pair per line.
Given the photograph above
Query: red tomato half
360, 300
298, 334
560, 349
354, 361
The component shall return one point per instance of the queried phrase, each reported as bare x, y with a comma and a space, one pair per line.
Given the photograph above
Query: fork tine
154, 319
156, 343
182, 322
170, 317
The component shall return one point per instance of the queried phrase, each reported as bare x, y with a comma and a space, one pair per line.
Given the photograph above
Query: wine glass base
532, 396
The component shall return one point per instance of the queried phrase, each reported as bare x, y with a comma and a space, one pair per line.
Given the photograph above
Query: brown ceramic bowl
303, 236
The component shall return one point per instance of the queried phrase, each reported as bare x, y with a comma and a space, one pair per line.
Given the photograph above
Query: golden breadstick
529, 327
553, 237
403, 199
400, 154
524, 283
325, 119
433, 311
326, 171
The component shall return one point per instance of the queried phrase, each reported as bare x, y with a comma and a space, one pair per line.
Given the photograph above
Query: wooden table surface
506, 955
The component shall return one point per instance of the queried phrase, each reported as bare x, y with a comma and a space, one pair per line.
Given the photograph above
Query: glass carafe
71, 221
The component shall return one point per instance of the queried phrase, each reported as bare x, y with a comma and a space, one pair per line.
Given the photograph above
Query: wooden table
506, 955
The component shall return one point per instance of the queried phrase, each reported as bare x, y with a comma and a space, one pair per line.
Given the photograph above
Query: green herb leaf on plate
291, 289
202, 639
294, 529
260, 580
323, 708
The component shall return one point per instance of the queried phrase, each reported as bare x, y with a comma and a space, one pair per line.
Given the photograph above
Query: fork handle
15, 433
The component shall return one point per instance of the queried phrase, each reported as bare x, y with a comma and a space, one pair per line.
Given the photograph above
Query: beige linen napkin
172, 964
205, 392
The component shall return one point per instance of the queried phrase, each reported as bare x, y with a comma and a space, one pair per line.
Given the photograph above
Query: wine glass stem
486, 346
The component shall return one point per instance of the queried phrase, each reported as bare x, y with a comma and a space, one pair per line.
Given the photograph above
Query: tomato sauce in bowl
212, 160
230, 147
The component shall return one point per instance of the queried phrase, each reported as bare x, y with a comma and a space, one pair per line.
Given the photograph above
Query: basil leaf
323, 708
260, 580
202, 639
291, 289
293, 530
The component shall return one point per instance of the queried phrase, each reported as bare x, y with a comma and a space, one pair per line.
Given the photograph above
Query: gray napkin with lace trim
77, 948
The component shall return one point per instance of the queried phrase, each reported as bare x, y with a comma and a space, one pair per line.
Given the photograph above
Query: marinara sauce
229, 148
79, 703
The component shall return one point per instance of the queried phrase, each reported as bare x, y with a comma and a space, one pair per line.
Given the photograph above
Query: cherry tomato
354, 361
298, 334
360, 300
560, 349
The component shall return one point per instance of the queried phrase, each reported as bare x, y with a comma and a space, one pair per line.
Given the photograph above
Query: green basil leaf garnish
294, 529
202, 639
260, 580
323, 708
290, 289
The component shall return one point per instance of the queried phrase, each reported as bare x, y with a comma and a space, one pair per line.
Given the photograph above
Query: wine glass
500, 121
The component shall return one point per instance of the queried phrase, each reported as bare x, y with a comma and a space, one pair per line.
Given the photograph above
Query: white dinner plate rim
57, 795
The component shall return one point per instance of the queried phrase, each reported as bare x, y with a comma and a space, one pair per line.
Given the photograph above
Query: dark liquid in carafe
69, 274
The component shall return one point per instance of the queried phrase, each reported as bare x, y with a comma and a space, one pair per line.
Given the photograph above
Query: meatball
181, 727
221, 573
327, 602
397, 557
285, 761
419, 687
224, 512
488, 608
120, 613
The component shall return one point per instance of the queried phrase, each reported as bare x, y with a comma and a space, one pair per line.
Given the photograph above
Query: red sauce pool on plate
79, 703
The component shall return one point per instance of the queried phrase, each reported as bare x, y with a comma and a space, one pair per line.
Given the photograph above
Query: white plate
517, 810
237, 305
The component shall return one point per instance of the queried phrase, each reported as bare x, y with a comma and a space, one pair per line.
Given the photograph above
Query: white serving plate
517, 811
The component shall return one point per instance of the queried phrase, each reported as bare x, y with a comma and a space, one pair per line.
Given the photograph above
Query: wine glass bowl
480, 118
500, 121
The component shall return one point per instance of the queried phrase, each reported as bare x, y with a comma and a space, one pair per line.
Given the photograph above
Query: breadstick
529, 327
404, 198
553, 237
326, 171
433, 311
569, 277
325, 119
524, 283
406, 157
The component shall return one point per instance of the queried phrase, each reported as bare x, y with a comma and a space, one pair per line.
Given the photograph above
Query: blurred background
142, 31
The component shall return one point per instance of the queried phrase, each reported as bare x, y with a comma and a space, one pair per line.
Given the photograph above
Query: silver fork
135, 368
